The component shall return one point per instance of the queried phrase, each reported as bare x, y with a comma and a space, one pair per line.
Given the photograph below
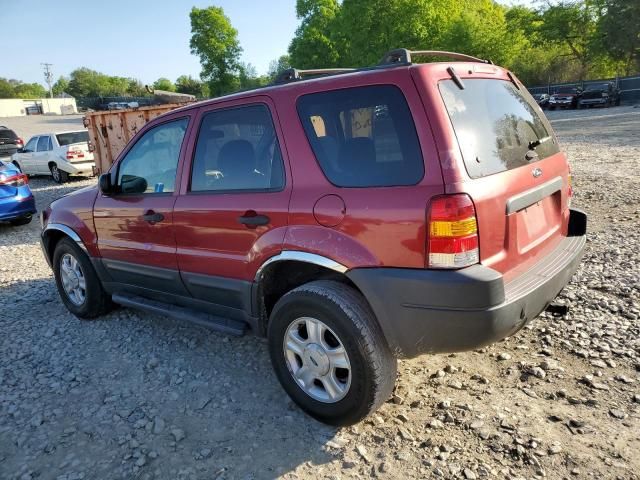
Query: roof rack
293, 74
403, 56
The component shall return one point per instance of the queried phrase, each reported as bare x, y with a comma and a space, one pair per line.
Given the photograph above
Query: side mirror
104, 183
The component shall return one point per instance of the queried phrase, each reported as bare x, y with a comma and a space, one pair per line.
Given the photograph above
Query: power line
48, 76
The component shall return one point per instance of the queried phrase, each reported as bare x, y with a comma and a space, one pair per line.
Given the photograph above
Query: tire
59, 176
552, 108
96, 301
21, 221
349, 321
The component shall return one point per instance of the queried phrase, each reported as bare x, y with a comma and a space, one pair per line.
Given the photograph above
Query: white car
57, 154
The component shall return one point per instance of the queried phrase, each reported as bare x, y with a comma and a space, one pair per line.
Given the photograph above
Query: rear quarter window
494, 123
363, 136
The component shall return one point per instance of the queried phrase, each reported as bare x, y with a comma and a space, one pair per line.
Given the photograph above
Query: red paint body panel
379, 226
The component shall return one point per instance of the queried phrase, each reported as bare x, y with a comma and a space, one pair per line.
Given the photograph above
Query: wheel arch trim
300, 256
66, 230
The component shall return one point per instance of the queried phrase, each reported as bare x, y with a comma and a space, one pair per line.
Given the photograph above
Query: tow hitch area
557, 309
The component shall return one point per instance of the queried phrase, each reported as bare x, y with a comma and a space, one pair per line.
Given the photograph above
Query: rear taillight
19, 142
15, 180
453, 232
74, 154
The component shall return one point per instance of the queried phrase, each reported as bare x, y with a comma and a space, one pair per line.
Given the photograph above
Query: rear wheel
59, 176
329, 353
78, 284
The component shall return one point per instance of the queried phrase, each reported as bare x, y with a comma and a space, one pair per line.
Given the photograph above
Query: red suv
353, 218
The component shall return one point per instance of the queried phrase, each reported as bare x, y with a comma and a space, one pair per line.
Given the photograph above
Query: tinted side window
237, 149
150, 166
494, 123
363, 137
43, 144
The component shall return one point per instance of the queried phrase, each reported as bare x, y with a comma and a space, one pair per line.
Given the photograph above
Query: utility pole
48, 76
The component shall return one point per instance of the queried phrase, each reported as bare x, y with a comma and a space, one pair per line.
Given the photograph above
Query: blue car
17, 204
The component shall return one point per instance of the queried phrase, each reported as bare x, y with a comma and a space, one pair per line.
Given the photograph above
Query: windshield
495, 124
72, 137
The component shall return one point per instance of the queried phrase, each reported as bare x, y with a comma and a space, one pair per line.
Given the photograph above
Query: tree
164, 84
619, 31
6, 88
135, 88
215, 41
573, 24
29, 90
277, 66
314, 43
192, 86
61, 86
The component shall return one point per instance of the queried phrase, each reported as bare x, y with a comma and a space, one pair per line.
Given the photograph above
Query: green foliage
84, 82
277, 66
619, 32
16, 89
559, 41
61, 86
215, 41
192, 86
164, 84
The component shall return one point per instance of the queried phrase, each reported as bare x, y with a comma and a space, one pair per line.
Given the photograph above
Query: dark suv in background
10, 142
601, 94
353, 218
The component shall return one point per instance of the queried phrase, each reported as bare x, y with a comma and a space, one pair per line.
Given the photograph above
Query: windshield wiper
536, 143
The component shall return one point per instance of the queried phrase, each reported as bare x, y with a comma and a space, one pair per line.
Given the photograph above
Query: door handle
252, 219
152, 217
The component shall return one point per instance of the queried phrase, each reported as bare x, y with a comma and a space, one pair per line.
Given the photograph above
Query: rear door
134, 226
508, 160
233, 208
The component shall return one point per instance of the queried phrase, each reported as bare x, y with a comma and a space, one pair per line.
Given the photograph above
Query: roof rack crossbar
293, 74
403, 56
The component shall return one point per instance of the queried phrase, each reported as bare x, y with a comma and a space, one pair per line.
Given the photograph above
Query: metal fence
629, 87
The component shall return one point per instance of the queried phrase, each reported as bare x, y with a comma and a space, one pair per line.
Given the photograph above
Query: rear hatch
8, 140
505, 155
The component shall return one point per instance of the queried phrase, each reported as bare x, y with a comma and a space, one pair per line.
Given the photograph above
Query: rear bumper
78, 168
14, 207
428, 311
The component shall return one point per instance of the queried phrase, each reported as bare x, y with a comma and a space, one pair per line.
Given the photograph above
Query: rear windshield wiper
536, 143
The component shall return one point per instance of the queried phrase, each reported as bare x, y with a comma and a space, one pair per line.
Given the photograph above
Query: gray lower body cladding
430, 311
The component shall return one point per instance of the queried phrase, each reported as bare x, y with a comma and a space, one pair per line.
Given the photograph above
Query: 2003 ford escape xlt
352, 217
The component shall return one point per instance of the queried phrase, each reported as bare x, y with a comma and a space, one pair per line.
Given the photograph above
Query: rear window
363, 137
494, 123
7, 134
72, 137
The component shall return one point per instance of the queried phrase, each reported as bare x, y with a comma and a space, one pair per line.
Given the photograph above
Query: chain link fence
629, 87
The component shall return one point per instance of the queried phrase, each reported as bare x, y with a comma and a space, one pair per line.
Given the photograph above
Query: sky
131, 38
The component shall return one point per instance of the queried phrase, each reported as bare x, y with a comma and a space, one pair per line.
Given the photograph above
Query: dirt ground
138, 396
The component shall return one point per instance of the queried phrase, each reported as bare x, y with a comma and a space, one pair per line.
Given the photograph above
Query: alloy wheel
73, 279
317, 360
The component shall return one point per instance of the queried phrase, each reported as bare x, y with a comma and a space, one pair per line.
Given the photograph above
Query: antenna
48, 76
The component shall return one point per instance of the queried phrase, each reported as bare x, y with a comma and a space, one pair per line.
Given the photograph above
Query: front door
25, 159
233, 208
134, 226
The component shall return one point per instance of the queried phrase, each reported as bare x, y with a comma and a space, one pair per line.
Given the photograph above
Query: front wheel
78, 284
59, 176
329, 353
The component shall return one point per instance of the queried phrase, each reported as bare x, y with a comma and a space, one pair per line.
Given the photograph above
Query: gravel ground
139, 396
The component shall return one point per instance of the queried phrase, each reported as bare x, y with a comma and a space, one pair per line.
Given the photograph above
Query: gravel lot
139, 396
